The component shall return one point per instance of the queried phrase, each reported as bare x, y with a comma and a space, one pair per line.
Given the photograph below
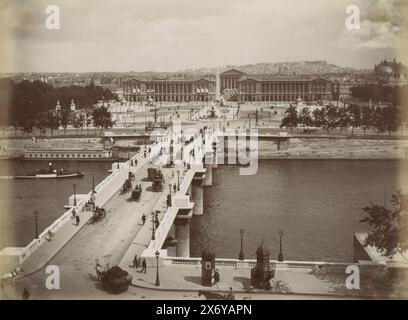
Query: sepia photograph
177, 150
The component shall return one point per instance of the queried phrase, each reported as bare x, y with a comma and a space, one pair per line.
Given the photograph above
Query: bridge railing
301, 266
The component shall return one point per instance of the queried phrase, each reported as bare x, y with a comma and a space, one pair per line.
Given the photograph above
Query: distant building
274, 88
391, 73
234, 85
174, 90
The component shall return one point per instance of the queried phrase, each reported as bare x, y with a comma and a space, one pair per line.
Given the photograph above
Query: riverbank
292, 147
330, 148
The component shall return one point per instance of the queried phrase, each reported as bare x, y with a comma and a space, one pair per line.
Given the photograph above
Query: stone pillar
198, 194
183, 237
189, 191
208, 176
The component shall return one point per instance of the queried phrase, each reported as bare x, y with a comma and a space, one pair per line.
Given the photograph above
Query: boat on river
51, 173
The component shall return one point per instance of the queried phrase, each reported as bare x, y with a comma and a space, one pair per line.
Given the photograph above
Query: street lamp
75, 202
153, 231
93, 182
178, 180
241, 254
169, 196
36, 223
280, 256
157, 253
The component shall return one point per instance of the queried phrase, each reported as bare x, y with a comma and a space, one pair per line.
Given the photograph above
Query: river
317, 204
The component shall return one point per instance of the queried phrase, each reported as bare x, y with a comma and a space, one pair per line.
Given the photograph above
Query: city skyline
170, 36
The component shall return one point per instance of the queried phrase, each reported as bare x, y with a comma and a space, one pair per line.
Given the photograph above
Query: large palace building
233, 85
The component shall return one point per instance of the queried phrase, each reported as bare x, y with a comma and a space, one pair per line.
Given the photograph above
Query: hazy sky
170, 35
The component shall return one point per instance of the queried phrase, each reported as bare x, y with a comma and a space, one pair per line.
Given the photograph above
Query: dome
262, 250
385, 69
208, 254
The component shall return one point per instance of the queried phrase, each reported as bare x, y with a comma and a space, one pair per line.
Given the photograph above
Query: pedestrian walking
144, 266
135, 262
174, 188
143, 219
230, 295
73, 213
77, 219
26, 294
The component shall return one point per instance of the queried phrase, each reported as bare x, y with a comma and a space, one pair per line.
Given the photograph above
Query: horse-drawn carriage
99, 214
127, 185
137, 193
158, 181
114, 280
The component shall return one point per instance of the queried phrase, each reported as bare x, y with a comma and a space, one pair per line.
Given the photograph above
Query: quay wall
325, 148
14, 148
289, 148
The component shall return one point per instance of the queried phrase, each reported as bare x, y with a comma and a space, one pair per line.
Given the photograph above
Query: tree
53, 121
391, 118
331, 118
79, 122
389, 226
319, 117
291, 118
64, 119
343, 119
378, 120
88, 120
102, 118
366, 118
304, 117
355, 116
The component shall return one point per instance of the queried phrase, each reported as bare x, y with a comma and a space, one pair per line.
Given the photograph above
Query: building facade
172, 90
233, 85
273, 88
391, 73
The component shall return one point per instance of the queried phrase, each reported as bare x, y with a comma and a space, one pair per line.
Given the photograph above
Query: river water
19, 198
317, 203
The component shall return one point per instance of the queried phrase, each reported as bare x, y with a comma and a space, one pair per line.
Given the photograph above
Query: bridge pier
198, 195
208, 175
182, 228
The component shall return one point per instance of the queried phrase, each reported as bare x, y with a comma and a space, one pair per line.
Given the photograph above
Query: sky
172, 35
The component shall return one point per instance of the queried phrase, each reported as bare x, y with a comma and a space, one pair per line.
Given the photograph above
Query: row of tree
98, 117
397, 95
382, 119
32, 104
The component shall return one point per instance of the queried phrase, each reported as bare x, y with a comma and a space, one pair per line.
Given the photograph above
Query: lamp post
93, 182
169, 196
75, 202
157, 253
241, 254
36, 223
178, 180
280, 256
153, 237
